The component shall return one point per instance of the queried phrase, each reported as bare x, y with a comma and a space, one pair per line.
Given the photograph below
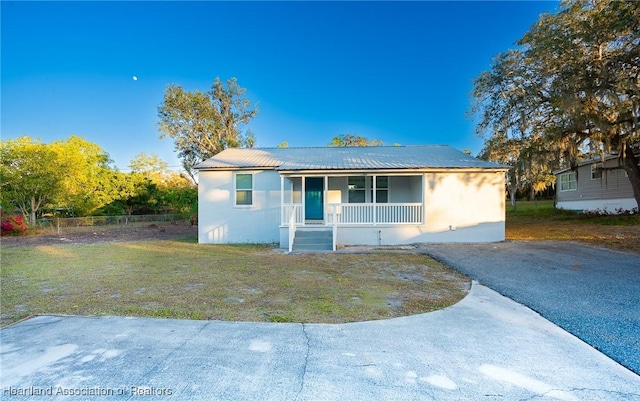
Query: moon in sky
134, 78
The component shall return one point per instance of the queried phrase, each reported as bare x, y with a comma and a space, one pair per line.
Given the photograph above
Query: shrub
13, 225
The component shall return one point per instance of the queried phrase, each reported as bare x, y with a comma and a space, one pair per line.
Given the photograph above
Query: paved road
592, 293
486, 347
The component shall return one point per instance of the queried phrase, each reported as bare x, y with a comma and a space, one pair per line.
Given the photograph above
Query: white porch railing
379, 213
292, 225
358, 213
292, 209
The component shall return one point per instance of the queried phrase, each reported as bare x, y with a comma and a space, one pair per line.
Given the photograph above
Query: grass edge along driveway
181, 279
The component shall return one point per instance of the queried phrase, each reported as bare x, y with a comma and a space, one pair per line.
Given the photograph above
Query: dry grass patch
541, 221
177, 279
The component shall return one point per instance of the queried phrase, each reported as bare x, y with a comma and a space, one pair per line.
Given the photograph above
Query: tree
30, 175
171, 192
86, 179
353, 140
157, 170
131, 192
572, 86
203, 124
531, 164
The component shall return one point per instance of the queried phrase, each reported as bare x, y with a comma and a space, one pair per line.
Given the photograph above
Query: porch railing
290, 209
359, 213
379, 213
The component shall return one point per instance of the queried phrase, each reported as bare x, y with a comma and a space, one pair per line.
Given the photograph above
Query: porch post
375, 200
282, 215
304, 202
325, 198
422, 217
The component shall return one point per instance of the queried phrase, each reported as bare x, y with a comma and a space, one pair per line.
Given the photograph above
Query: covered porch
352, 199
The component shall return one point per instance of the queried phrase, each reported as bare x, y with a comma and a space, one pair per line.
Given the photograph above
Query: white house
350, 196
595, 185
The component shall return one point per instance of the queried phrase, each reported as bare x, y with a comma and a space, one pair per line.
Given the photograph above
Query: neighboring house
350, 195
595, 185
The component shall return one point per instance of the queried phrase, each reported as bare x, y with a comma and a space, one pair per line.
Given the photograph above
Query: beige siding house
595, 185
320, 198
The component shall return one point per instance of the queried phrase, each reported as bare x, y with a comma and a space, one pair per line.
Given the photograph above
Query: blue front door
313, 198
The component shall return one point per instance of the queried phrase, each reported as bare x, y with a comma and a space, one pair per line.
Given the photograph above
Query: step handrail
292, 226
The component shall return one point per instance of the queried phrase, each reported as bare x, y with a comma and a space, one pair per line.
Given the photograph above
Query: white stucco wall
220, 221
459, 207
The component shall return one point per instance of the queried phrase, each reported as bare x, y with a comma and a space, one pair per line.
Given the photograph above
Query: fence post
58, 224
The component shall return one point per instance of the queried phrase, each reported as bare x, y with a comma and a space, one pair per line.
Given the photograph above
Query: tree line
75, 177
570, 91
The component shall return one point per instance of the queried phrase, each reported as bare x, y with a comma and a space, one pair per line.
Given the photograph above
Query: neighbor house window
568, 182
596, 171
382, 189
357, 190
244, 189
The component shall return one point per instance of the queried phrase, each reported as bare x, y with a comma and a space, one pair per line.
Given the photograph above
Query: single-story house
596, 184
378, 195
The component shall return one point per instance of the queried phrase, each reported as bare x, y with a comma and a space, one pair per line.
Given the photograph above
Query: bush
13, 225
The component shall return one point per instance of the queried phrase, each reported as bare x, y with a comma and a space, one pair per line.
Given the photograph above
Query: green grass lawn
181, 279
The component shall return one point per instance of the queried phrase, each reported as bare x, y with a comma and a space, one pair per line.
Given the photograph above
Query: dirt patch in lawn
98, 234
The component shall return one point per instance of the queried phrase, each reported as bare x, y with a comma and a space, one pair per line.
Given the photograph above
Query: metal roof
346, 158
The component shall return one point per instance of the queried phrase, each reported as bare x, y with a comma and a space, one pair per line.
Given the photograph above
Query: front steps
313, 239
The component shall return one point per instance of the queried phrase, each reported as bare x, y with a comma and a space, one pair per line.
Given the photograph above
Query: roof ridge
346, 147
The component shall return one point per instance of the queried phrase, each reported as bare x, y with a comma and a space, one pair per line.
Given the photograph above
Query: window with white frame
596, 171
357, 189
244, 189
382, 189
568, 181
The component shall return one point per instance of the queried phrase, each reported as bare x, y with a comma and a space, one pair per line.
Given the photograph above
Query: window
382, 189
244, 189
356, 190
596, 171
568, 182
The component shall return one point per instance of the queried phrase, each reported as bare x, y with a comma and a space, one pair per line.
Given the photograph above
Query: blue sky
395, 71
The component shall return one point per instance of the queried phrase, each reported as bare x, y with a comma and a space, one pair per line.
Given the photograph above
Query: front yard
180, 279
146, 271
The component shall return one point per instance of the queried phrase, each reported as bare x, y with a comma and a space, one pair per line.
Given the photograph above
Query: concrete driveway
591, 292
486, 347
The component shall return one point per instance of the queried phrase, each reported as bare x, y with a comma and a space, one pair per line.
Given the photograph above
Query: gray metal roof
346, 158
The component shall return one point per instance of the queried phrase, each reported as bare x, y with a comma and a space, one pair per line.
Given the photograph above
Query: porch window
568, 182
382, 189
244, 189
357, 189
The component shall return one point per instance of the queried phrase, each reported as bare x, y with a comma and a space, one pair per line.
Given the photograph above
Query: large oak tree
572, 86
203, 124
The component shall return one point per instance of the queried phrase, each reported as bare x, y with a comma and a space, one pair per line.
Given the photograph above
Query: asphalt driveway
591, 292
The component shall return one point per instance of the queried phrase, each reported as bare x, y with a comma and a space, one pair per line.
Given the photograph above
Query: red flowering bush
13, 225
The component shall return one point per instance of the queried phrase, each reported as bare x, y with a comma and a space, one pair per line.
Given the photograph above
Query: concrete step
314, 233
313, 239
312, 247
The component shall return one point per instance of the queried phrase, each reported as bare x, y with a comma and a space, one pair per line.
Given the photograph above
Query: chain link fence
56, 225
